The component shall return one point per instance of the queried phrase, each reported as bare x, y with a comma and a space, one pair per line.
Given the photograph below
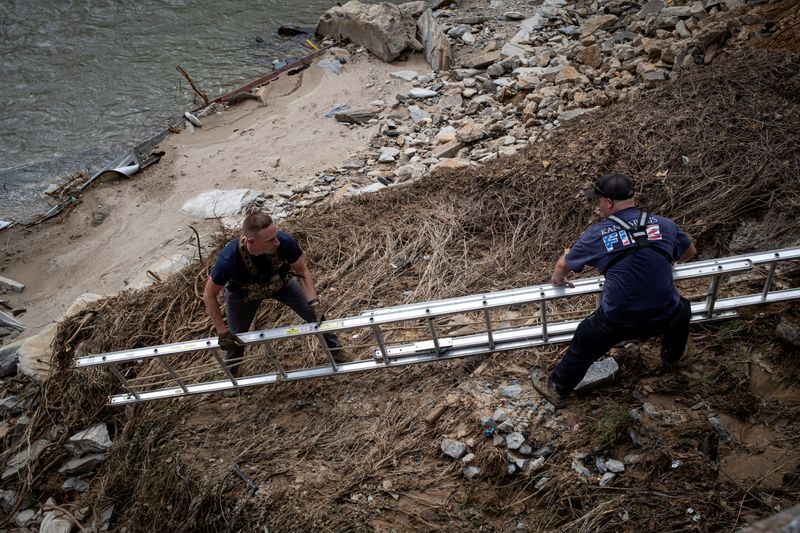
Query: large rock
93, 439
383, 29
435, 43
35, 353
219, 203
599, 373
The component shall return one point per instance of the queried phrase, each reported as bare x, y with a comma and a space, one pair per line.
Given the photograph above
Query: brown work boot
546, 388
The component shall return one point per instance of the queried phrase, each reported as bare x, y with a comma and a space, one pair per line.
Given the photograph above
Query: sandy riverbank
125, 228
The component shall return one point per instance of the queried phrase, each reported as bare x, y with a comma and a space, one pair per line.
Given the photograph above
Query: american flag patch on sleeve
653, 232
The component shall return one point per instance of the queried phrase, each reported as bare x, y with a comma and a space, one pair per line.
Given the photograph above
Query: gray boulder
383, 29
93, 439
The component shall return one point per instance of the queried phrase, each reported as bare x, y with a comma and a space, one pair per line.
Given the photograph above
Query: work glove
229, 340
316, 310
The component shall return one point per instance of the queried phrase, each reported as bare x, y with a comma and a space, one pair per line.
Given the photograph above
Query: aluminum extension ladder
426, 332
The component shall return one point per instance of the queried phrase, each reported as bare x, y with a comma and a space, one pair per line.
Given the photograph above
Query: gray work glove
316, 310
229, 340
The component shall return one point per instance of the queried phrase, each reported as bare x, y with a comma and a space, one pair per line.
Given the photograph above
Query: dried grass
712, 149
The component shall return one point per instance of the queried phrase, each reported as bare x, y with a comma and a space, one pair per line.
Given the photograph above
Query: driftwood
200, 93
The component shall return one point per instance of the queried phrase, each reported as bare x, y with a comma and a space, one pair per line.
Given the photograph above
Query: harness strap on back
639, 235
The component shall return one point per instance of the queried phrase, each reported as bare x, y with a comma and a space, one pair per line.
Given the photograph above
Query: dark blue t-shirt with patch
231, 268
639, 289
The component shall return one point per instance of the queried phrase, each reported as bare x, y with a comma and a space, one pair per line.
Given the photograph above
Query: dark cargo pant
241, 312
596, 335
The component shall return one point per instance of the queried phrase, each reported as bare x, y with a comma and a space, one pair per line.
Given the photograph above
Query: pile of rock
563, 60
521, 455
87, 449
605, 468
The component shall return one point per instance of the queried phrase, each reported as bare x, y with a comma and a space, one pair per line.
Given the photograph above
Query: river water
82, 79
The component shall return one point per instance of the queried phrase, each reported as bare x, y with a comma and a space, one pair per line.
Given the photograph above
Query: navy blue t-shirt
639, 289
231, 268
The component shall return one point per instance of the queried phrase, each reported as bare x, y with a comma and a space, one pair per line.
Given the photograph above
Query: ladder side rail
678, 270
526, 295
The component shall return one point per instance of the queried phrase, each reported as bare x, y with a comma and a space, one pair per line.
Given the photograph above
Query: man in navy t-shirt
635, 251
262, 263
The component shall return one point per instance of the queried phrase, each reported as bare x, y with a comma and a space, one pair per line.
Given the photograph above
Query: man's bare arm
210, 294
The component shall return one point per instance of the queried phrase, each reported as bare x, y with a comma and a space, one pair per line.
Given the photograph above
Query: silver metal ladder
429, 331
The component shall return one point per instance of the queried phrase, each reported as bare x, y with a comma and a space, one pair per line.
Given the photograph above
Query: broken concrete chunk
453, 448
383, 29
93, 439
599, 373
219, 203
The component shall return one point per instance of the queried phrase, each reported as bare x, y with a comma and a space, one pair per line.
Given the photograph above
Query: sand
122, 229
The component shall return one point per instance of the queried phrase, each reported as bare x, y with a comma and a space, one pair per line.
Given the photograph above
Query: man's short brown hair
255, 222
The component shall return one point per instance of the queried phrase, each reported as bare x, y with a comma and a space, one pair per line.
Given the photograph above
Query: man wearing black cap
635, 251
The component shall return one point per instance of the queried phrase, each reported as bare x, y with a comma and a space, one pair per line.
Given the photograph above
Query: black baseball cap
612, 186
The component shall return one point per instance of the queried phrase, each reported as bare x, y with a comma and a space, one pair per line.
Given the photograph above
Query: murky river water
82, 79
